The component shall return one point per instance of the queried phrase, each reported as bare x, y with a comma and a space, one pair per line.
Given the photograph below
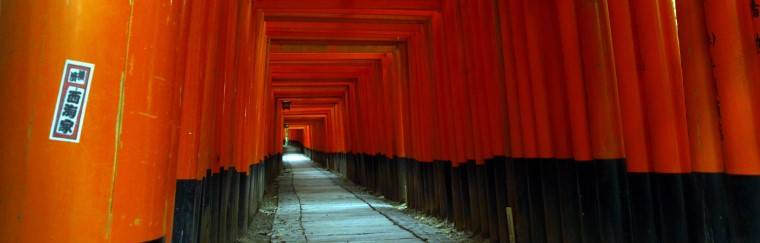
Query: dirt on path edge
260, 229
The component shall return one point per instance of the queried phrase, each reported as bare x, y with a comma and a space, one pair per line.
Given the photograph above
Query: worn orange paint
192, 96
631, 107
510, 79
474, 104
537, 82
52, 190
487, 96
527, 120
574, 81
179, 75
601, 83
671, 51
79, 188
229, 29
700, 88
209, 81
147, 122
446, 150
255, 100
555, 83
731, 50
752, 11
241, 108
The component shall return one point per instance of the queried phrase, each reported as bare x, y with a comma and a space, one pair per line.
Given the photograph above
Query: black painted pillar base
457, 199
499, 172
472, 190
569, 200
744, 202
447, 203
185, 210
552, 207
490, 189
536, 203
520, 199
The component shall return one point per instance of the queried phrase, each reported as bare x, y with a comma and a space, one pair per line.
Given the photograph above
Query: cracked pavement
317, 205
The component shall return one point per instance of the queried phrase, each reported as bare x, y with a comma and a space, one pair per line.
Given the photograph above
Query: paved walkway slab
317, 206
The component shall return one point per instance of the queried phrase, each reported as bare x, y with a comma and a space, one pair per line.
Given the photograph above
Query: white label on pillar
72, 101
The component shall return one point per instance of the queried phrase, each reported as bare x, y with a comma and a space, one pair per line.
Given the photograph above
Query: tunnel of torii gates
517, 120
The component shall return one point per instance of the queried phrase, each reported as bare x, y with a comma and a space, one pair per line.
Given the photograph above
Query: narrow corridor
317, 205
511, 120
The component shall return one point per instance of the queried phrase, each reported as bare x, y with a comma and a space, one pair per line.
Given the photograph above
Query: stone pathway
317, 206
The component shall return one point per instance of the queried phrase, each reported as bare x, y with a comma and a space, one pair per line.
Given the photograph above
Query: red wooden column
140, 186
386, 81
599, 67
258, 104
515, 151
67, 191
179, 74
558, 173
752, 12
703, 118
248, 38
474, 109
735, 66
447, 153
529, 220
662, 93
543, 226
232, 25
497, 115
626, 66
514, 139
732, 50
471, 135
574, 79
600, 182
487, 106
700, 88
452, 75
192, 96
196, 151
258, 79
523, 76
576, 105
636, 137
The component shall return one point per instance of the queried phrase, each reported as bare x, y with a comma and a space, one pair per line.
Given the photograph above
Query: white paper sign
72, 101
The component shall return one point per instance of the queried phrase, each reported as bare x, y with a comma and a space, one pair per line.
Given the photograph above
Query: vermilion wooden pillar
600, 183
639, 163
77, 191
180, 62
735, 63
31, 182
140, 188
709, 201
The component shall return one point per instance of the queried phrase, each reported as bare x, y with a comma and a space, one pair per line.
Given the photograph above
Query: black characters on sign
755, 8
70, 111
77, 76
66, 126
73, 96
71, 102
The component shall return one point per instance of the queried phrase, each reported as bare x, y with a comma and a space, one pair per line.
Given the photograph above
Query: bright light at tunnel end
294, 157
